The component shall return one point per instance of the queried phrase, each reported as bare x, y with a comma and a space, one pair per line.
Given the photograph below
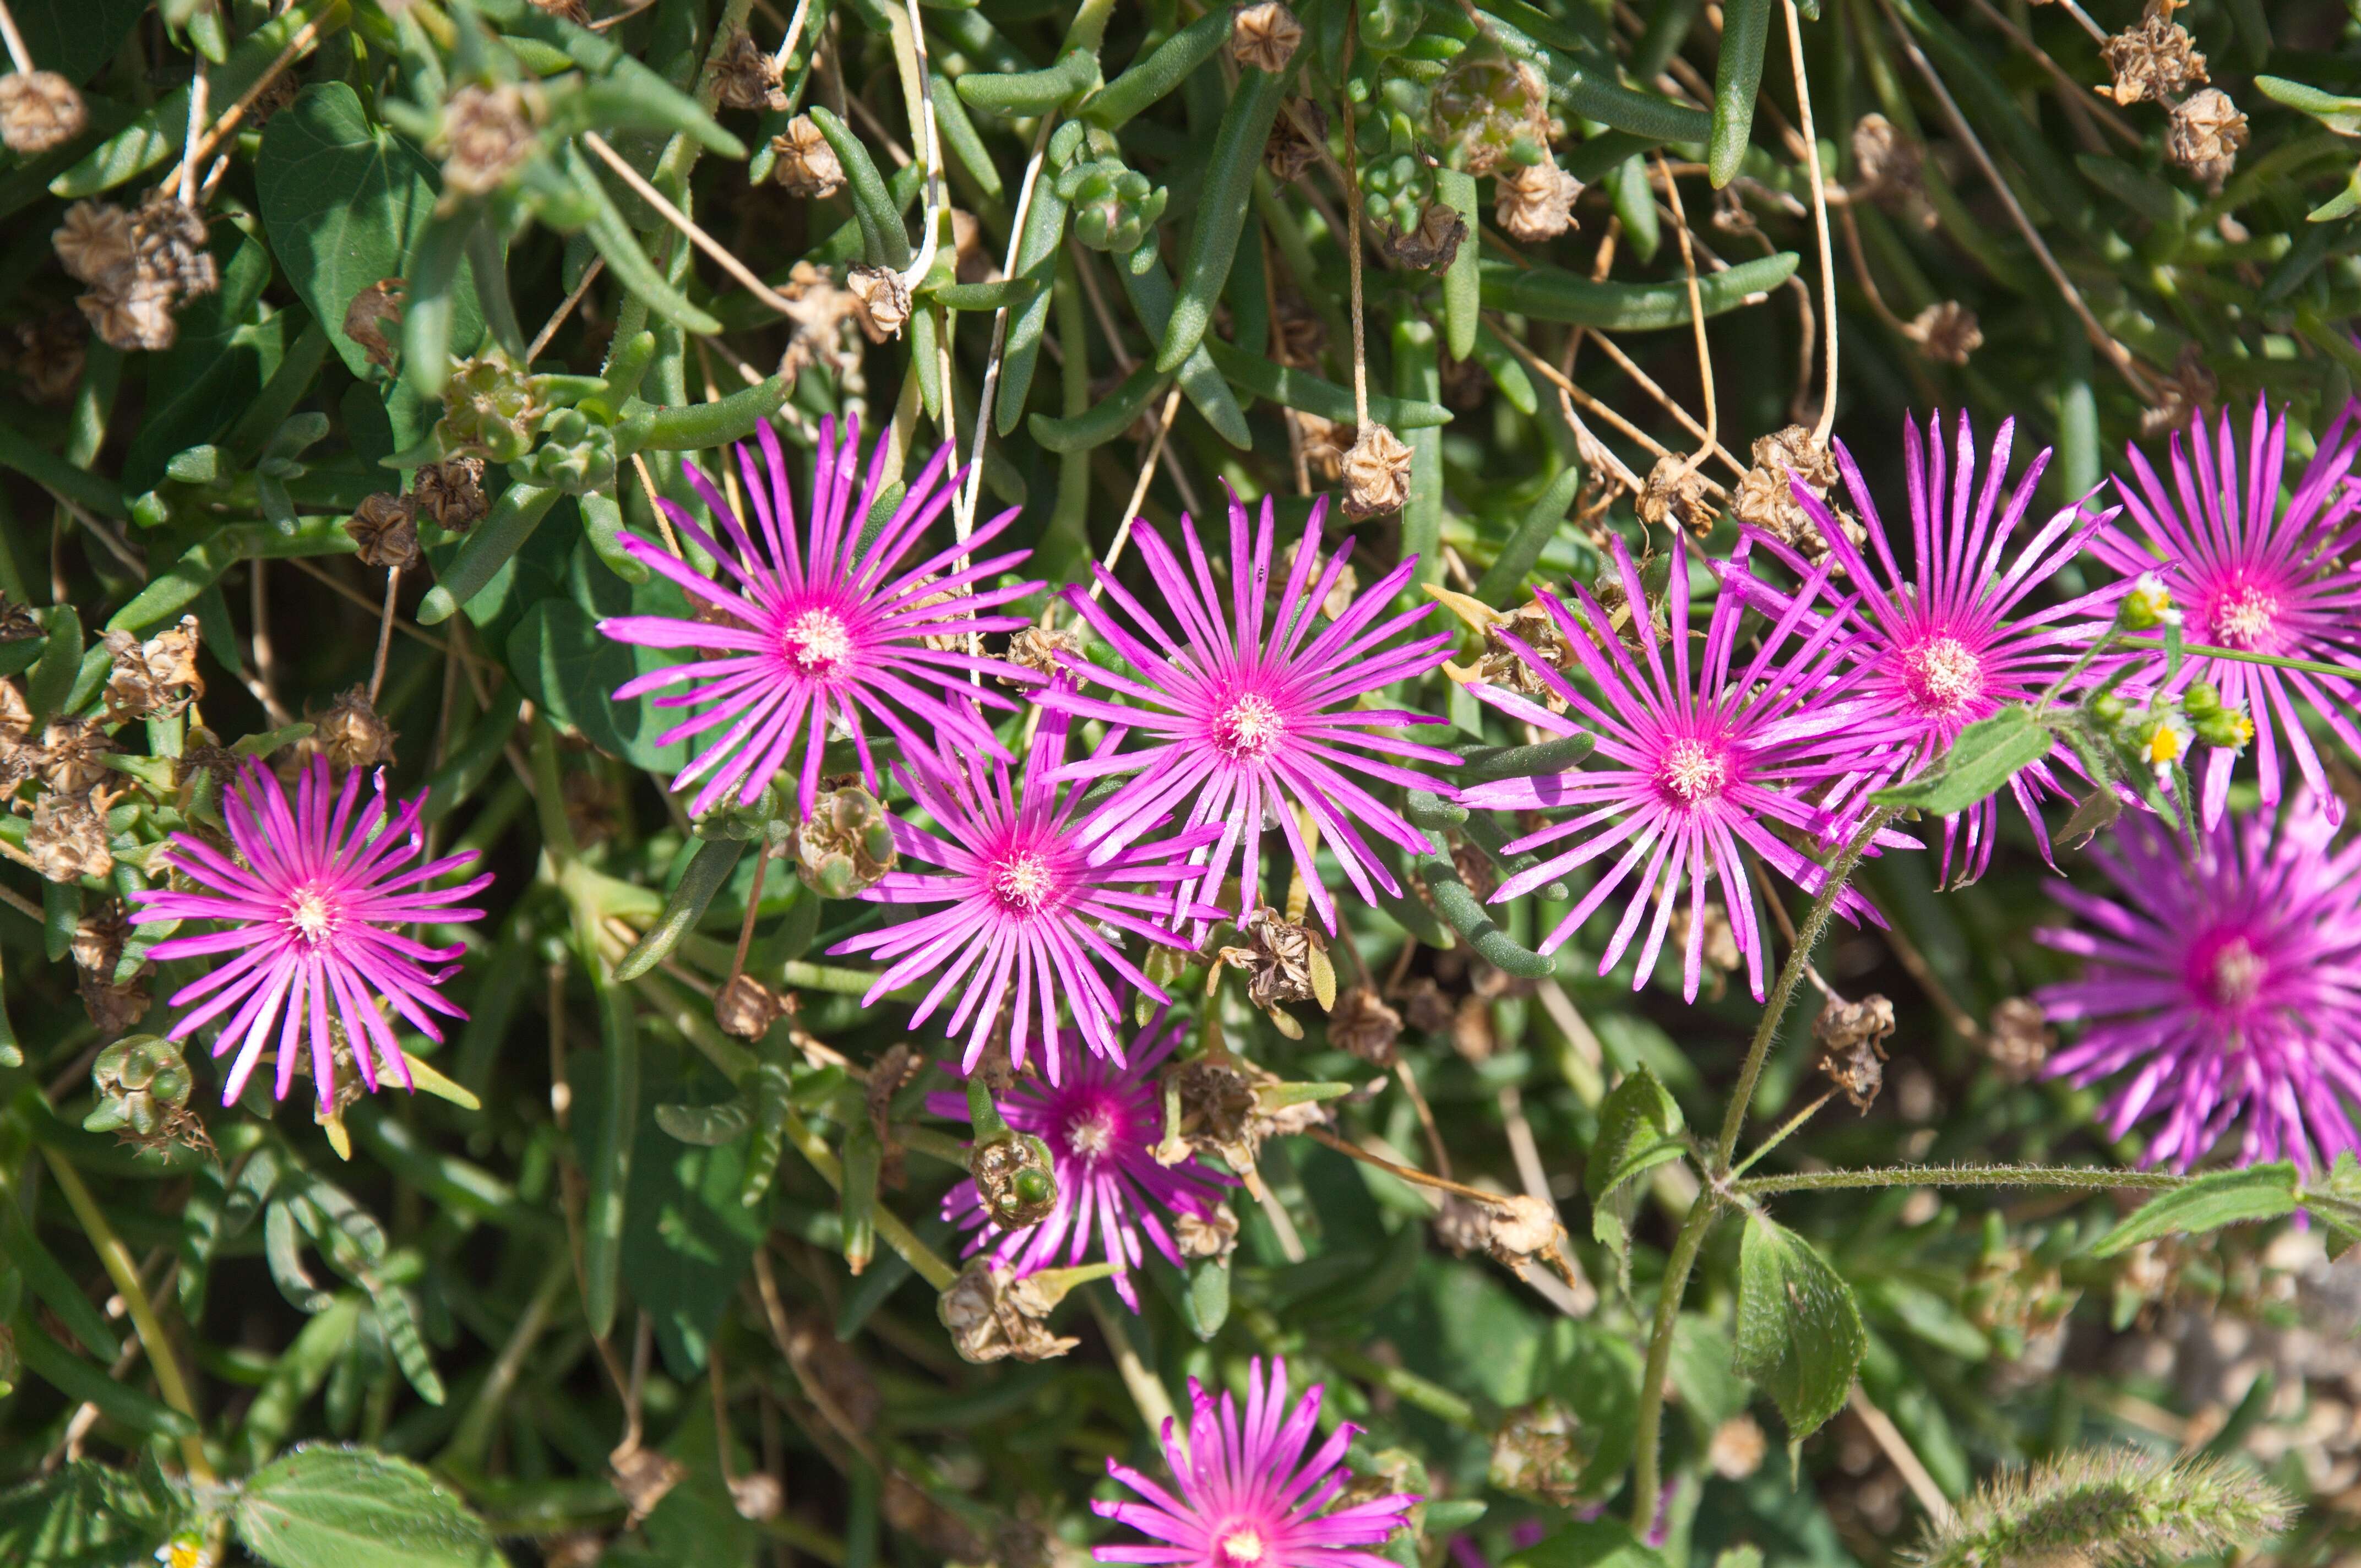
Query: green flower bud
2147, 606
576, 454
490, 409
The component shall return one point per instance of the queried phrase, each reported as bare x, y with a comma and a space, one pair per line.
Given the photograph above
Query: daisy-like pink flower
1249, 714
2228, 987
1953, 639
310, 906
2251, 573
1022, 903
1694, 765
1100, 1118
812, 630
1250, 1497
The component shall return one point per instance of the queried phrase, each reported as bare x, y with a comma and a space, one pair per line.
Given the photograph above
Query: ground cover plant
1538, 783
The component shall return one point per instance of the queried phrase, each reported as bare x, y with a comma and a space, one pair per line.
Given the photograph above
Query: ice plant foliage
1248, 1496
1957, 635
1694, 762
1022, 903
2254, 575
310, 905
1100, 1118
811, 627
1249, 712
2228, 988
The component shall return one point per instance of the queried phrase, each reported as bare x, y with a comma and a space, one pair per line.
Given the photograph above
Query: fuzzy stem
2240, 655
1684, 1256
1155, 1405
2074, 1176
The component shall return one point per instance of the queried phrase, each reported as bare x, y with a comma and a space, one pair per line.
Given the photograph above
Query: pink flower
2252, 574
1248, 1497
2228, 987
812, 627
1100, 1118
1250, 725
309, 906
1023, 901
1953, 640
1693, 764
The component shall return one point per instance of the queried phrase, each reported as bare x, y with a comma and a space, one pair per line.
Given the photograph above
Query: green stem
2240, 655
2090, 1176
549, 794
1154, 1404
1407, 1387
125, 1272
1808, 935
890, 1228
1644, 1484
1794, 1124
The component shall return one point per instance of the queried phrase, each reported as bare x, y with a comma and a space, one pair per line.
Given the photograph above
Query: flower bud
576, 454
846, 845
2147, 606
2228, 728
490, 409
2201, 698
1015, 1178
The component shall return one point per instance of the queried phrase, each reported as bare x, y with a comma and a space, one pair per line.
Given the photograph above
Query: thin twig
963, 517
1902, 1457
384, 634
1709, 440
1353, 257
263, 683
921, 109
1670, 405
1406, 1172
18, 52
1819, 218
794, 34
199, 90
303, 40
681, 221
1139, 489
557, 317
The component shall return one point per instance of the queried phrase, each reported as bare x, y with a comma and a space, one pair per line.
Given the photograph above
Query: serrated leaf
353, 1508
2336, 1204
2223, 1197
88, 1515
1639, 1129
1799, 1333
1987, 754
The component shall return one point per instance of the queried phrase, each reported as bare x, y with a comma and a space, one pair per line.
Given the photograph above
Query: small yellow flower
185, 1551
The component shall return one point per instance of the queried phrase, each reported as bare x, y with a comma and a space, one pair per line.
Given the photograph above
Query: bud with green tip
1113, 207
490, 409
576, 454
846, 845
143, 1086
1015, 1178
2147, 606
1488, 111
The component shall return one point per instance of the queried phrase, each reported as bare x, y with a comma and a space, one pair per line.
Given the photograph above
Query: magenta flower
1690, 767
2250, 573
1099, 1117
1024, 902
1952, 640
1248, 1497
309, 906
2228, 986
812, 631
1251, 723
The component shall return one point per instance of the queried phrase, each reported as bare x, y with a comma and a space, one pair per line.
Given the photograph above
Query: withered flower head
1376, 473
168, 245
817, 311
994, 1316
1016, 1179
1537, 203
2156, 58
1279, 958
352, 733
373, 310
49, 354
1435, 242
1289, 151
1037, 648
1676, 490
1948, 331
16, 623
883, 300
1513, 1231
1363, 1024
1737, 1448
1264, 35
67, 840
487, 132
1212, 1235
74, 754
2205, 134
39, 110
131, 313
2019, 1038
1501, 665
803, 161
94, 241
452, 492
747, 75
1890, 162
2191, 389
1765, 497
747, 1008
845, 846
1852, 1037
155, 678
386, 528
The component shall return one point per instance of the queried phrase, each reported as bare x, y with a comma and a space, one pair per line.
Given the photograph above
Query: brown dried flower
386, 528
49, 354
1289, 151
2156, 58
352, 734
1223, 1111
2190, 390
39, 110
168, 245
1284, 961
1264, 35
2019, 1038
94, 241
155, 678
1435, 242
992, 1316
373, 310
1325, 443
1719, 946
803, 163
1765, 497
487, 133
1363, 1024
16, 624
452, 492
881, 301
74, 754
1511, 1230
1852, 1037
1537, 203
1737, 1448
131, 313
1037, 648
1501, 665
643, 1476
817, 311
2205, 134
1376, 473
1213, 1234
1890, 163
67, 840
1676, 490
1948, 331
747, 1008
747, 76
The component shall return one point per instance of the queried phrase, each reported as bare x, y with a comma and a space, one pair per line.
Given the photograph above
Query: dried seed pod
1765, 497
1435, 242
352, 733
1376, 473
757, 1496
94, 241
1737, 1448
155, 678
1037, 649
1537, 203
803, 161
373, 310
487, 132
643, 1476
140, 1081
385, 527
845, 845
747, 1008
1852, 1037
168, 241
1288, 151
2154, 58
2019, 1038
50, 353
1280, 959
747, 76
1676, 491
1889, 164
882, 298
1490, 111
131, 313
1948, 331
2205, 134
1016, 1179
74, 753
16, 625
992, 1317
817, 311
452, 492
1213, 1234
1363, 1024
67, 840
1263, 36
39, 110
1536, 1453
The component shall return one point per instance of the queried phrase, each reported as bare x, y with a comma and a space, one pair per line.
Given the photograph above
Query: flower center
1692, 772
1023, 883
2232, 976
1942, 674
2244, 616
1241, 1546
1249, 729
312, 916
1091, 1132
817, 643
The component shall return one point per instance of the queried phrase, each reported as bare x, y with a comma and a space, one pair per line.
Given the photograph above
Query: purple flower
1250, 723
1248, 1497
1689, 767
1952, 640
2226, 985
813, 628
1024, 901
2251, 574
1100, 1118
309, 906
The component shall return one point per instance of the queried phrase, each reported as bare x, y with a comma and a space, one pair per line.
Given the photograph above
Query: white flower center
1943, 675
1249, 729
1091, 1133
1023, 883
2244, 616
817, 641
1242, 1547
312, 916
2234, 978
1692, 771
